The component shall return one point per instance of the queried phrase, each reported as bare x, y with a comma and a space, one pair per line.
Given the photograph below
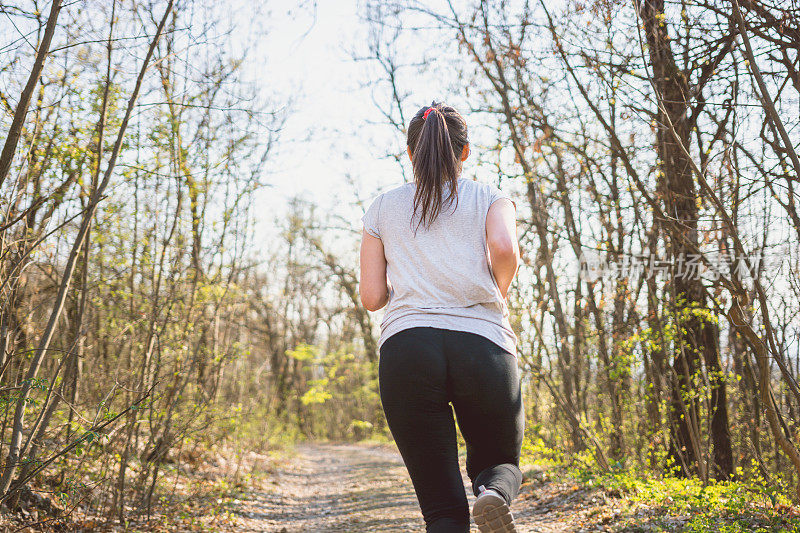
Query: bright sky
310, 58
333, 129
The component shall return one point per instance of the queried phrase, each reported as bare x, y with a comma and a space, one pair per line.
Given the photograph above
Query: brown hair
436, 142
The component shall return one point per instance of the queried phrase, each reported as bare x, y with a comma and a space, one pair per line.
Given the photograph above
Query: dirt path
360, 488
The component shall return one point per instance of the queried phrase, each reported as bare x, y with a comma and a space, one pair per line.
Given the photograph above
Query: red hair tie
425, 115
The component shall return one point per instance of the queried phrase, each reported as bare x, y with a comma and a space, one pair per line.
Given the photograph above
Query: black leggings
421, 370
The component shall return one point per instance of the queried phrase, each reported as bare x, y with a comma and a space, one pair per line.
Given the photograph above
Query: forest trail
365, 487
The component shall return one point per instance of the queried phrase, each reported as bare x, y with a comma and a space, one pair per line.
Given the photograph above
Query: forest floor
365, 487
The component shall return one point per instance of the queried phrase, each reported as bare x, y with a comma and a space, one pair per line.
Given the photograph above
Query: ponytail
436, 136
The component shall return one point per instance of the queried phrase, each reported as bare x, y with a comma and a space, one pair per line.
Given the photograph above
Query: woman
449, 249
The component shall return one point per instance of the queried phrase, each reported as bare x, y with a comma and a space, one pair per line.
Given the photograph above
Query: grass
638, 500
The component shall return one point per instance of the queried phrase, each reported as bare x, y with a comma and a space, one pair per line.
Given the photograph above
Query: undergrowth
647, 500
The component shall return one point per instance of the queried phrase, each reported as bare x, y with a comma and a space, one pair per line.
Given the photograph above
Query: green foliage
535, 450
316, 392
339, 396
668, 337
303, 352
747, 505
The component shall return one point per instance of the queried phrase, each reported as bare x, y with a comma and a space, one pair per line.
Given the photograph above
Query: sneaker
491, 512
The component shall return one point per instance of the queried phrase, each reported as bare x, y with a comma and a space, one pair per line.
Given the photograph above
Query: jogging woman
448, 247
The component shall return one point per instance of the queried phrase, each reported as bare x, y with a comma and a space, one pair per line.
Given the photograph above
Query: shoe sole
492, 515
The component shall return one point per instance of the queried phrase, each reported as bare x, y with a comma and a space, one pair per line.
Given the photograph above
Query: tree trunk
700, 344
15, 130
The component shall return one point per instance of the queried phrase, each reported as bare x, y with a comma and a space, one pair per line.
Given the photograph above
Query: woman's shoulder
479, 187
389, 196
395, 192
474, 183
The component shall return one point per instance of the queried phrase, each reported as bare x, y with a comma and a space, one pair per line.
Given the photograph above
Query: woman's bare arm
373, 286
501, 238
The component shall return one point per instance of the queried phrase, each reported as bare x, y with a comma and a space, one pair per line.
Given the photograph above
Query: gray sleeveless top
440, 277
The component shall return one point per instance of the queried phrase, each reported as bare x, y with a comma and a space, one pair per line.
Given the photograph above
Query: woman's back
440, 275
